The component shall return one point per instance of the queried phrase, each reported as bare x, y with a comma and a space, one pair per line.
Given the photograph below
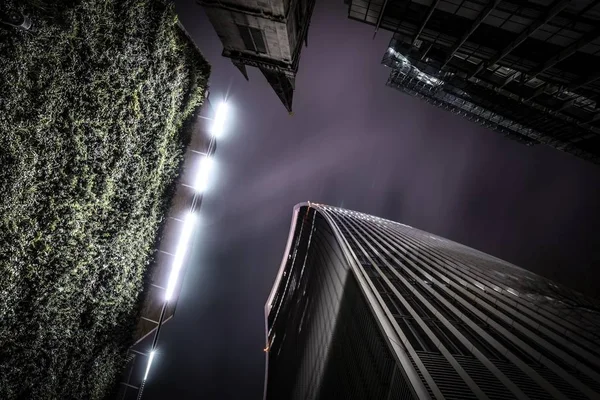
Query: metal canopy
482, 15
557, 7
565, 53
526, 69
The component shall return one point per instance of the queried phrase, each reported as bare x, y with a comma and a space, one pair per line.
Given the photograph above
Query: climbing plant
92, 101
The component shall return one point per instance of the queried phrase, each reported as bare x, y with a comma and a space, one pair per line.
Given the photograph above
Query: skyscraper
527, 69
366, 308
265, 34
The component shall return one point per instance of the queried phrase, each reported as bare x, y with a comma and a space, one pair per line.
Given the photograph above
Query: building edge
388, 331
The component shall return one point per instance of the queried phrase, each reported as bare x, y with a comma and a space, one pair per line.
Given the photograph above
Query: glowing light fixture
219, 119
203, 174
150, 358
186, 233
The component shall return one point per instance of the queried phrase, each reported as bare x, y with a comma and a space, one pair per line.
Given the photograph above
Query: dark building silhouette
365, 308
266, 34
527, 69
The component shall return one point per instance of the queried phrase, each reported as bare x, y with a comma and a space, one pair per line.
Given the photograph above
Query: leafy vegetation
91, 105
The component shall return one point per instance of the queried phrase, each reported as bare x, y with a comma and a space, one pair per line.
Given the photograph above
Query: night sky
352, 142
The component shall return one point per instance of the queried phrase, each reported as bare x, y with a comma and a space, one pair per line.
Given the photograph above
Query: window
253, 39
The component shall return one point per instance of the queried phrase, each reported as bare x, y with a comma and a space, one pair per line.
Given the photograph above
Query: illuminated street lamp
150, 358
182, 245
219, 119
200, 184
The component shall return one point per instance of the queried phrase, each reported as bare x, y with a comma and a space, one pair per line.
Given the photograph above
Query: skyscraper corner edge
301, 214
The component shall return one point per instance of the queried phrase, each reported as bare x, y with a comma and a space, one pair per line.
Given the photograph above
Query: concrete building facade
268, 35
366, 308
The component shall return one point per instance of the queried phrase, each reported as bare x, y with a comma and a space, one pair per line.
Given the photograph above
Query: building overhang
258, 61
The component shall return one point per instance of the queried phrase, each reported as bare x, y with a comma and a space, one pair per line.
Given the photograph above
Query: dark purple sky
356, 143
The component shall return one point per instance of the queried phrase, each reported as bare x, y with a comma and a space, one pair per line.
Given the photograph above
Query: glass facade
365, 308
527, 69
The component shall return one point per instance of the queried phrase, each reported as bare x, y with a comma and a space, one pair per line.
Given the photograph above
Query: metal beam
149, 320
541, 90
426, 20
588, 8
566, 104
557, 7
585, 81
128, 385
582, 138
482, 15
426, 52
380, 17
565, 53
511, 78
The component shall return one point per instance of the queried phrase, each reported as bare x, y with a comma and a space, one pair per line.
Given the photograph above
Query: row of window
254, 38
361, 235
479, 294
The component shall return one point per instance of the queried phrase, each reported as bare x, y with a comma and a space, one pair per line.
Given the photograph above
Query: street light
150, 358
184, 238
201, 182
219, 119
